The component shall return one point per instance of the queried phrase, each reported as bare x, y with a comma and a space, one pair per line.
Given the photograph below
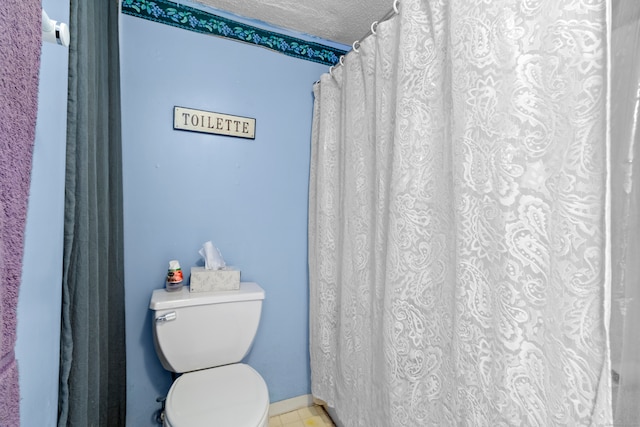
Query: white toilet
204, 336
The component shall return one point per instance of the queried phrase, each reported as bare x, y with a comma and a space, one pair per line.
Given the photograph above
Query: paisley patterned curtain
457, 224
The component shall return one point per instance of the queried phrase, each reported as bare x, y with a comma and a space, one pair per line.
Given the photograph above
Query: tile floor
313, 416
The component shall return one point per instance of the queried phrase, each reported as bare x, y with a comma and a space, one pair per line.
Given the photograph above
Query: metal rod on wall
54, 31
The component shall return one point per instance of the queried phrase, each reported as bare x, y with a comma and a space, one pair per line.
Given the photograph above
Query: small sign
216, 123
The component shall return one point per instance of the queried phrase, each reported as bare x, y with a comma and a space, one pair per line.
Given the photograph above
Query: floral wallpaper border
189, 18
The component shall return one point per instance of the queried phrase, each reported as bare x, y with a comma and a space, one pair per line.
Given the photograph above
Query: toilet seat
231, 395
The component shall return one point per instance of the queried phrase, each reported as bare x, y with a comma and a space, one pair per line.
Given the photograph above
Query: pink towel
20, 43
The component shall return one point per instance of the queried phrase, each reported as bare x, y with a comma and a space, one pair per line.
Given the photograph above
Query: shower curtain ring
331, 70
374, 25
342, 60
395, 6
355, 49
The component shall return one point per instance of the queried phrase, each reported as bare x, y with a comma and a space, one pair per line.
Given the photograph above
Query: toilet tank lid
163, 300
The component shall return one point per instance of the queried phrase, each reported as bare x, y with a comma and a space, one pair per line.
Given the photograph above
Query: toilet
204, 336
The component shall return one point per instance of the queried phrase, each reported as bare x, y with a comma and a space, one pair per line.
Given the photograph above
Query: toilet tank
199, 330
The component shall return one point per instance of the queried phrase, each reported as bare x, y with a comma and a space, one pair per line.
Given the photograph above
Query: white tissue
212, 257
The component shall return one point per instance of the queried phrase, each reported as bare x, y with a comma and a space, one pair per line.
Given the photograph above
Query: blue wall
182, 189
38, 344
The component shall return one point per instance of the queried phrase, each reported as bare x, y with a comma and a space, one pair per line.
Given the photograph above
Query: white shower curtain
457, 239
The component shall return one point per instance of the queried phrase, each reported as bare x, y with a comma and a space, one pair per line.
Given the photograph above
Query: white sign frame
192, 120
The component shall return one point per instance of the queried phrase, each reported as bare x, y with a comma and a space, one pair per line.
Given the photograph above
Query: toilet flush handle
166, 317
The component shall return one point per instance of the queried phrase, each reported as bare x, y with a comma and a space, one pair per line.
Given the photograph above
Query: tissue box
227, 279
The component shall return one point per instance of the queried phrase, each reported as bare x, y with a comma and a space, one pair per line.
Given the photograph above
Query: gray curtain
92, 354
625, 212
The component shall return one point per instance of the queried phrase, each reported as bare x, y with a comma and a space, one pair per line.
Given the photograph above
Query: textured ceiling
343, 21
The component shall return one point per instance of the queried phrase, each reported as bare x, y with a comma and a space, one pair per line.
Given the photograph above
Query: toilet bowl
232, 395
204, 336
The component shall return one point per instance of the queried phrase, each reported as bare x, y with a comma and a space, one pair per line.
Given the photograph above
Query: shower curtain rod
394, 11
54, 31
